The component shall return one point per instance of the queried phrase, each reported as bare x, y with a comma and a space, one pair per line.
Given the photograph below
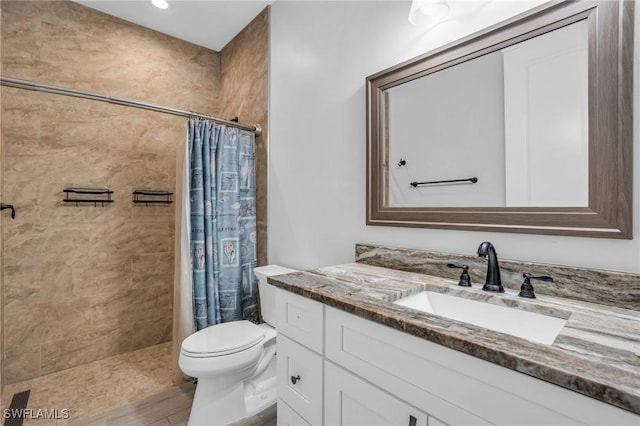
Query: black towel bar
471, 180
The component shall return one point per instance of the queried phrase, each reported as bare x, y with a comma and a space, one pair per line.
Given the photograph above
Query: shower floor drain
14, 415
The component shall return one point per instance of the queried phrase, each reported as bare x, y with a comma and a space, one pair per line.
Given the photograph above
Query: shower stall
87, 272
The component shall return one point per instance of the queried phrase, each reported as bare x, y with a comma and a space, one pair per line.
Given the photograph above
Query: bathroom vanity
348, 355
452, 355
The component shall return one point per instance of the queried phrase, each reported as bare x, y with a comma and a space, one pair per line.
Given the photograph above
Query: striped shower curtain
222, 197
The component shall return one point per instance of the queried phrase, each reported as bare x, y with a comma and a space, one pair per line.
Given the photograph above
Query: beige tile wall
1, 224
84, 283
245, 81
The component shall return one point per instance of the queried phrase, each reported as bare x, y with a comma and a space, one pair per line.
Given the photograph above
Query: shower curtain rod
39, 87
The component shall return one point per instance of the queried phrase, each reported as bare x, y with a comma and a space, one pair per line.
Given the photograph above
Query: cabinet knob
294, 379
412, 421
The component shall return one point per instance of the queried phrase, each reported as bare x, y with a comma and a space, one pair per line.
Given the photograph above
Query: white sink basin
528, 325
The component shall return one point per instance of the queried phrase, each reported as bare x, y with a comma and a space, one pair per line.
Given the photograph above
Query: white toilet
234, 363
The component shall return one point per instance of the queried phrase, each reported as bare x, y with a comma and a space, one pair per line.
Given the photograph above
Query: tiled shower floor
98, 386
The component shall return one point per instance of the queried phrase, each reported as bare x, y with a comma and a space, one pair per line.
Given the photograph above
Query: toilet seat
223, 339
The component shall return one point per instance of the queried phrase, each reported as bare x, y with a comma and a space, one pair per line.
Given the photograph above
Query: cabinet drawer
300, 319
295, 363
288, 417
351, 401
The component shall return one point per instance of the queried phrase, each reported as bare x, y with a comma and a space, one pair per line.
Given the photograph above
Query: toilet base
261, 391
219, 403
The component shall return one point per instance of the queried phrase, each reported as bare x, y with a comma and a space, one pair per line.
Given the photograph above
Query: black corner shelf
95, 196
151, 196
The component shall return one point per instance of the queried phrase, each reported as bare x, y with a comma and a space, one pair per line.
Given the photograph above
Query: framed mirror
523, 127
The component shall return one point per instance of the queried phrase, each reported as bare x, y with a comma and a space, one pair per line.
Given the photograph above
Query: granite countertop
597, 353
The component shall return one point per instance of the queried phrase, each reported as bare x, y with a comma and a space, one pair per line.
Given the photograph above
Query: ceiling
208, 23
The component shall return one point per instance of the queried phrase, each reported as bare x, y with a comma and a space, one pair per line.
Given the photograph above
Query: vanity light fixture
160, 4
428, 13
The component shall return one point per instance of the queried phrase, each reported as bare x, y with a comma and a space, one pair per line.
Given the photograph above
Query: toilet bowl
234, 363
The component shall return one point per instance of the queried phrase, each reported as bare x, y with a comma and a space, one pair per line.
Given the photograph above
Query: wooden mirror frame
610, 82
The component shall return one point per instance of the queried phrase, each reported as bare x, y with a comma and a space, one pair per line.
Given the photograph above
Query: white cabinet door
350, 401
300, 379
288, 417
454, 387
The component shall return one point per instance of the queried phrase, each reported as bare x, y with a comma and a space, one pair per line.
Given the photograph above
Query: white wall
321, 53
424, 129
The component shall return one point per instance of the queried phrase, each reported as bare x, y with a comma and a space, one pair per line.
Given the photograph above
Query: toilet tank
267, 292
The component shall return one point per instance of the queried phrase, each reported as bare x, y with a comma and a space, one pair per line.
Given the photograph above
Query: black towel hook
4, 206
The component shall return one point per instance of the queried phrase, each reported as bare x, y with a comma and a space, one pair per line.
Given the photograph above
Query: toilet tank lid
271, 270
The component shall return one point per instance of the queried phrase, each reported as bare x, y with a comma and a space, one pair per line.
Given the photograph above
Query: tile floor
267, 417
132, 389
98, 386
170, 408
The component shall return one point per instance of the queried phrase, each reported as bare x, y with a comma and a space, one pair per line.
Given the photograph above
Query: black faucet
493, 282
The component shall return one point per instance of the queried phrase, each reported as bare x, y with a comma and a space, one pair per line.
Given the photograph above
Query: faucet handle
465, 279
526, 290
